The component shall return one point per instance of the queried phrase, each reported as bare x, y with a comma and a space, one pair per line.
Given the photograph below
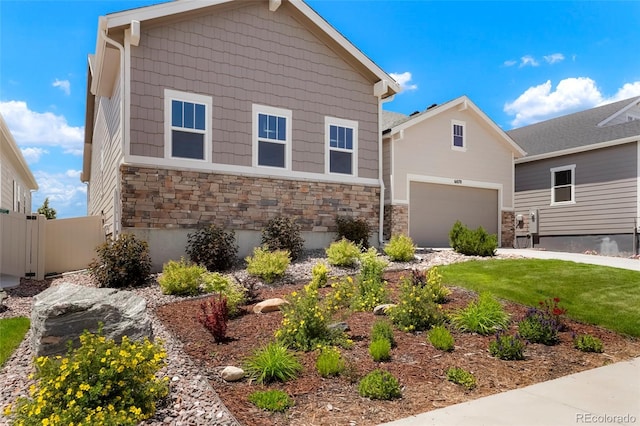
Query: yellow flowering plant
99, 383
416, 309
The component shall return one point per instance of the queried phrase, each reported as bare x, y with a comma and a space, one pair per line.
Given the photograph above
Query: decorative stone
62, 313
341, 326
232, 374
382, 309
269, 305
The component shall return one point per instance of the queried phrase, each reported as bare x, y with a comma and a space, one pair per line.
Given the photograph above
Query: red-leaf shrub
214, 315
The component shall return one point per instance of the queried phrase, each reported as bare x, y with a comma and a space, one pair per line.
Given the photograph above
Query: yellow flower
7, 410
85, 387
79, 394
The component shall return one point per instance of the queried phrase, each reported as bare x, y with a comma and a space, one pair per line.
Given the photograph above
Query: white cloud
509, 63
553, 58
403, 80
65, 191
539, 103
32, 155
64, 85
528, 60
41, 129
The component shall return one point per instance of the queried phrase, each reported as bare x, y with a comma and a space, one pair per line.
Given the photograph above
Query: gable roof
15, 155
579, 131
398, 122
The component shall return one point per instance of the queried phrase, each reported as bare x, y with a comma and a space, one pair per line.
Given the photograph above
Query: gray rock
382, 309
62, 313
232, 374
341, 326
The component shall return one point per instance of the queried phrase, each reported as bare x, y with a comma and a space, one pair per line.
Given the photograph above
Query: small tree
48, 212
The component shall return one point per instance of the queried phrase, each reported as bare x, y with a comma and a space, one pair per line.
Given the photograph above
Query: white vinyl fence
32, 246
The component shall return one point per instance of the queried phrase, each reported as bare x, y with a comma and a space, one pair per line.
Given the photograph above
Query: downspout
380, 89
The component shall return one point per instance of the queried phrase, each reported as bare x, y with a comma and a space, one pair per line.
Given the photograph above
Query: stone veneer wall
170, 199
396, 220
508, 236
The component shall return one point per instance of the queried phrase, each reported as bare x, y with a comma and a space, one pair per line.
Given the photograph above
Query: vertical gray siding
605, 193
244, 56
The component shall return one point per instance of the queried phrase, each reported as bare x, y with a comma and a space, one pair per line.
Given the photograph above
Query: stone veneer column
508, 234
396, 220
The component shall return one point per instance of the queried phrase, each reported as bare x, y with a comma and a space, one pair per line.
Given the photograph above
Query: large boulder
62, 313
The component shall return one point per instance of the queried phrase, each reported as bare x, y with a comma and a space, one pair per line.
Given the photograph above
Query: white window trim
280, 112
207, 101
632, 117
464, 135
341, 122
554, 170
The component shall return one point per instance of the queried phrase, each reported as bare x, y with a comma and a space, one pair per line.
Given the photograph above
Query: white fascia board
121, 19
579, 149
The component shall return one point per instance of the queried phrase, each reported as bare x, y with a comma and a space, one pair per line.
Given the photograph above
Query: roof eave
19, 158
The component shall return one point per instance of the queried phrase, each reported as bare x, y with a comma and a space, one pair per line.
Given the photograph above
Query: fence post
40, 246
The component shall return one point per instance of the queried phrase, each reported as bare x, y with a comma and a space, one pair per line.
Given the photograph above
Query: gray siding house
578, 189
230, 113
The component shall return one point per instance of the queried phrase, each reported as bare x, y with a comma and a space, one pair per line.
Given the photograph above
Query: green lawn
12, 331
609, 297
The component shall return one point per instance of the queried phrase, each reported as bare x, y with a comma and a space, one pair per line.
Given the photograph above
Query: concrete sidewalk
615, 262
604, 396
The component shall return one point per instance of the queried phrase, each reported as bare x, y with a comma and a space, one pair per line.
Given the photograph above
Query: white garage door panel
433, 209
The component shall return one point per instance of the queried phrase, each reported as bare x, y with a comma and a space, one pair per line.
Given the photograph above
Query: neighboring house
230, 113
581, 180
450, 162
16, 180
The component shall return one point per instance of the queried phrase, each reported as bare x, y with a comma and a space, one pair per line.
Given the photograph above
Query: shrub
122, 262
472, 243
441, 338
181, 278
356, 230
484, 316
100, 382
506, 347
271, 400
434, 281
400, 248
415, 310
282, 233
319, 275
588, 343
461, 377
343, 253
272, 362
236, 294
379, 384
381, 329
214, 316
380, 350
268, 265
370, 289
542, 325
341, 295
329, 362
212, 247
304, 321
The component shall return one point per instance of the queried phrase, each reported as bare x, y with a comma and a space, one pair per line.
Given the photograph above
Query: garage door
433, 209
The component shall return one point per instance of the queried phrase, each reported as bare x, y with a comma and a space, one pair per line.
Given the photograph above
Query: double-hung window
271, 137
458, 141
187, 125
342, 146
563, 185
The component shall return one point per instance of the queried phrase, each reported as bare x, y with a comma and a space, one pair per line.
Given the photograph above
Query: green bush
122, 262
461, 377
415, 310
181, 278
99, 383
329, 362
441, 338
379, 384
400, 248
236, 294
506, 347
370, 290
356, 230
484, 316
268, 265
381, 329
588, 343
282, 233
271, 400
319, 275
213, 248
380, 350
272, 362
537, 327
434, 281
472, 243
341, 294
343, 253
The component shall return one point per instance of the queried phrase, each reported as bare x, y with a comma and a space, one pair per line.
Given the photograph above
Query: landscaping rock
269, 305
382, 309
341, 326
232, 374
62, 313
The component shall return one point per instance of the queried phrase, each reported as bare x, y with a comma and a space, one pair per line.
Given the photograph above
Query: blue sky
520, 62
